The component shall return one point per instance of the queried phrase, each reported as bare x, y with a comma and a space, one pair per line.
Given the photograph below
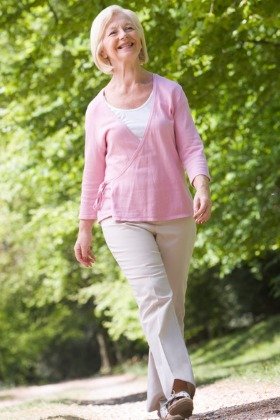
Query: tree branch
53, 11
263, 41
212, 7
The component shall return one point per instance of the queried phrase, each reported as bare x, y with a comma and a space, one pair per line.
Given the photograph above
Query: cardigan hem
141, 218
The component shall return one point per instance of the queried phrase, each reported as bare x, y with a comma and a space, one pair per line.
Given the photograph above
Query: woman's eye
128, 28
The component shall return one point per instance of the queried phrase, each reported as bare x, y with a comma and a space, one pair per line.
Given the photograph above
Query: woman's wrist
201, 183
86, 224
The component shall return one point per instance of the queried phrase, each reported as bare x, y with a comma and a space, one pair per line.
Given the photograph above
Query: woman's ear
103, 54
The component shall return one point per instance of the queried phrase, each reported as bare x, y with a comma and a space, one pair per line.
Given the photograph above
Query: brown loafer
163, 413
181, 404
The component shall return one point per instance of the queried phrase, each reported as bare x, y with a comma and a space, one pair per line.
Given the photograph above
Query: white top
135, 119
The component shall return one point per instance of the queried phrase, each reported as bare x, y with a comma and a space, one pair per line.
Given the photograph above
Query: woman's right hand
82, 248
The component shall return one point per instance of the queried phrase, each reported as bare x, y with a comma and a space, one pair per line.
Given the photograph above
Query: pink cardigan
141, 180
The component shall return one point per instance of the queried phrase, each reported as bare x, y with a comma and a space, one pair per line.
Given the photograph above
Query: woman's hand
83, 244
202, 200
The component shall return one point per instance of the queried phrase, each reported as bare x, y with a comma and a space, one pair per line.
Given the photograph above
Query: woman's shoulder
169, 85
94, 104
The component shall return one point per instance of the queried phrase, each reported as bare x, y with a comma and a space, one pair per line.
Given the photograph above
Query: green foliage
113, 298
224, 53
239, 299
226, 57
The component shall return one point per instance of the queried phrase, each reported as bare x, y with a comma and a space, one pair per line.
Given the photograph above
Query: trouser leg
175, 241
135, 249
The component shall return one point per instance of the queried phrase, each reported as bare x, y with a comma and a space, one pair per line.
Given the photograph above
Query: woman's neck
125, 78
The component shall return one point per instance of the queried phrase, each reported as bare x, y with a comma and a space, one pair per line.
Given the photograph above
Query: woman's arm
94, 168
93, 176
191, 152
188, 142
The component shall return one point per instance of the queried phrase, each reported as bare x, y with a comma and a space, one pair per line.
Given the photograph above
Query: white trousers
155, 258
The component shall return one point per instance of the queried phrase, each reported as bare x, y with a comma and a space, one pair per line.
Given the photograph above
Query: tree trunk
104, 352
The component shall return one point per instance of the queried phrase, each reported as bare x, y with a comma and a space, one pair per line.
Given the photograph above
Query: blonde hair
97, 32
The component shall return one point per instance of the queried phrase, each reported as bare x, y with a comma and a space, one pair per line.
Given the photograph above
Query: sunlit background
59, 320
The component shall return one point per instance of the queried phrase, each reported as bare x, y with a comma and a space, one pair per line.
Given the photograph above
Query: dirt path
122, 397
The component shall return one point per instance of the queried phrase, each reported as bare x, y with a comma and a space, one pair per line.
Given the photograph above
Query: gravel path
122, 397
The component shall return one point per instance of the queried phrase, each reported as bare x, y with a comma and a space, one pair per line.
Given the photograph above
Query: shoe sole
182, 407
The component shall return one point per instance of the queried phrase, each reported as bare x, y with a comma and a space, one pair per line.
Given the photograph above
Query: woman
140, 137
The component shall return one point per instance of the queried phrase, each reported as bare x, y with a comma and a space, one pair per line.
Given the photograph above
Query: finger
85, 260
205, 209
89, 259
199, 214
78, 253
92, 256
204, 217
196, 205
199, 220
205, 206
86, 251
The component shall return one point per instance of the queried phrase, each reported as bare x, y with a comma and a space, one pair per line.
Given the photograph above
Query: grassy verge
250, 353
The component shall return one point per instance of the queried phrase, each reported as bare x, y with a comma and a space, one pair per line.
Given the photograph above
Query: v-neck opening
114, 108
153, 94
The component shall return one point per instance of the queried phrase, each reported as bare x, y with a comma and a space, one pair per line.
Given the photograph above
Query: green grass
250, 353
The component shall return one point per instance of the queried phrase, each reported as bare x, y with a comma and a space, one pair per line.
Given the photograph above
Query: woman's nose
122, 33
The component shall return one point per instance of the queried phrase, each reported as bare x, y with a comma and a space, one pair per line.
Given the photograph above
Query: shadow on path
64, 418
256, 410
212, 380
132, 398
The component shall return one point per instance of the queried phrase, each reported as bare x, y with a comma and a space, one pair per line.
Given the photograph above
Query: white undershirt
135, 119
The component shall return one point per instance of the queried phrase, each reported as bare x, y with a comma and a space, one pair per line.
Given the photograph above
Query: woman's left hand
202, 206
202, 200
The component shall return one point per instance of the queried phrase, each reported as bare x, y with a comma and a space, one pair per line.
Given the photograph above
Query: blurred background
59, 320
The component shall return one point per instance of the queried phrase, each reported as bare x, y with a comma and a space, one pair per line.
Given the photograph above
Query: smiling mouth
125, 45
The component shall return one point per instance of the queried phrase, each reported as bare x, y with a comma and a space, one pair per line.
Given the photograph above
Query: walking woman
140, 140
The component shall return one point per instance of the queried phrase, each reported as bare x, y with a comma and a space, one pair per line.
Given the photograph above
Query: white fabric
155, 257
135, 119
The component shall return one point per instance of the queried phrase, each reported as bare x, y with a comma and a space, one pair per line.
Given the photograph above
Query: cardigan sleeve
94, 168
188, 142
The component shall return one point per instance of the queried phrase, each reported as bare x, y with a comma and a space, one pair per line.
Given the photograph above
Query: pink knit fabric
137, 180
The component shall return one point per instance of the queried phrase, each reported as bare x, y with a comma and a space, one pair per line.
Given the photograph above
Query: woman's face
121, 41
